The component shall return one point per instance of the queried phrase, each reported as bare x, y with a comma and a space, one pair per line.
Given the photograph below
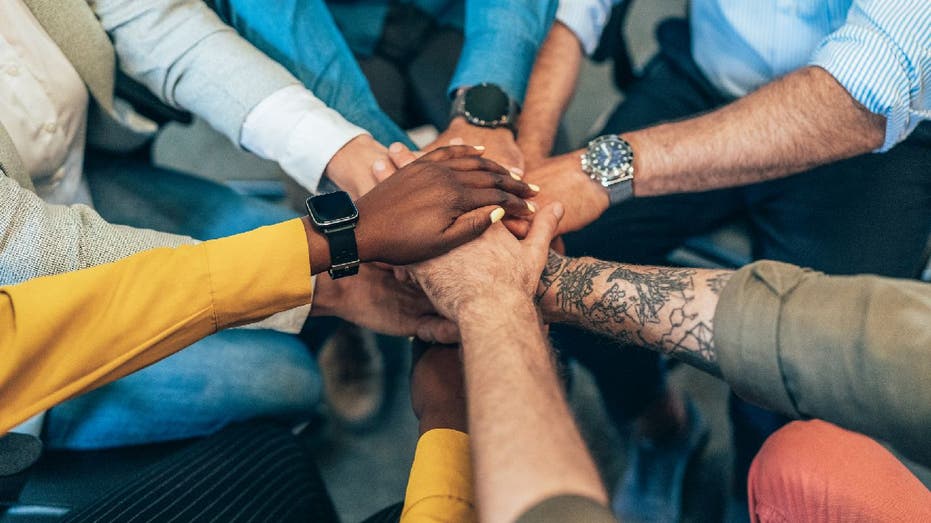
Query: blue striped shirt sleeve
586, 19
882, 57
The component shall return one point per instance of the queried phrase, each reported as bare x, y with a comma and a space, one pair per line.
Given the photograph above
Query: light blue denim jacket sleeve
882, 56
501, 42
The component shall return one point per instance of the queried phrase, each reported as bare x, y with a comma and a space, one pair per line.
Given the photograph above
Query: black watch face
487, 103
332, 209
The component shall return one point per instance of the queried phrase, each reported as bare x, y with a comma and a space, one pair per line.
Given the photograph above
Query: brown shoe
353, 372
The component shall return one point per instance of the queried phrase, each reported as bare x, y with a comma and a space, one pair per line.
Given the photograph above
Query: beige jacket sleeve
855, 351
190, 59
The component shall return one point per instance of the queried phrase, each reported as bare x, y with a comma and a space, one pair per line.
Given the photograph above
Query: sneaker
651, 488
353, 370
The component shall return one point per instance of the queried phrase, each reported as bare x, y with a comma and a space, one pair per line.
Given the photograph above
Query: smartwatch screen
332, 208
486, 102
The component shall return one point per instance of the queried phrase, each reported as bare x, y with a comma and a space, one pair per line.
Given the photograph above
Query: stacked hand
489, 269
351, 166
374, 299
561, 178
500, 145
436, 203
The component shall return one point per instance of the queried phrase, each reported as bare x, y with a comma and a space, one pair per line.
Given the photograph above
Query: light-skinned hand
494, 265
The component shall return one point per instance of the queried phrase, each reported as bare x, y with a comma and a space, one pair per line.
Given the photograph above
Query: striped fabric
253, 472
879, 50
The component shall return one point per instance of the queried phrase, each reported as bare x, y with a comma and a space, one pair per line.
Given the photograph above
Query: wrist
596, 195
317, 246
340, 168
488, 308
444, 416
459, 125
328, 296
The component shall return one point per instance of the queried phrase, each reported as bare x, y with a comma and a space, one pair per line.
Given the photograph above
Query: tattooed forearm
718, 280
555, 264
669, 310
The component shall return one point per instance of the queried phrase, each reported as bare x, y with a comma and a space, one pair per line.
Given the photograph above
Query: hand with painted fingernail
436, 203
495, 265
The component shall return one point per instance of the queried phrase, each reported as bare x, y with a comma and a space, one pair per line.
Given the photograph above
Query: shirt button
50, 127
12, 70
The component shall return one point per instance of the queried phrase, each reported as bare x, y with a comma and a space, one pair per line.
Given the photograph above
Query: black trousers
254, 471
869, 214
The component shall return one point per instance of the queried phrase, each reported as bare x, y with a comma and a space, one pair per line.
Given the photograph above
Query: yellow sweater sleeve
64, 335
440, 484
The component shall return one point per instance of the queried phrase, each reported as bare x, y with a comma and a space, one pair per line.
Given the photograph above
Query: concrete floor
366, 472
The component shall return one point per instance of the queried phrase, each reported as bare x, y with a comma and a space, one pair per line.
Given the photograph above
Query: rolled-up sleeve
586, 19
852, 350
501, 43
882, 57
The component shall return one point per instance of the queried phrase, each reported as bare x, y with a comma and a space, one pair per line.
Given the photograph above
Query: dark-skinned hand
436, 203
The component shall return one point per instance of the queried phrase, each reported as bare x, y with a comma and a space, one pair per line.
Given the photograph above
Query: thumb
472, 224
544, 225
400, 155
382, 169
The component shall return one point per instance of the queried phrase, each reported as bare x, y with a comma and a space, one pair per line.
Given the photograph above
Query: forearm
549, 92
511, 32
668, 310
67, 334
801, 121
523, 433
189, 58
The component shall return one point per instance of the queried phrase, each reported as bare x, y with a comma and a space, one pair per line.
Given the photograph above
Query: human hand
434, 204
351, 166
374, 299
494, 266
499, 142
438, 388
561, 178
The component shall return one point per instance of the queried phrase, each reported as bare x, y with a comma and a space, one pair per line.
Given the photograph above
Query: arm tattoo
717, 282
555, 264
653, 307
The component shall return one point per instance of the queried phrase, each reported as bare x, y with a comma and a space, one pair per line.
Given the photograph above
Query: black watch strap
344, 254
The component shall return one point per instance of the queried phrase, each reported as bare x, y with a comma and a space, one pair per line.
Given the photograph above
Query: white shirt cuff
298, 131
586, 18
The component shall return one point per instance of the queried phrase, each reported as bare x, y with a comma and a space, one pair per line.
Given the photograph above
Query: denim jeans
231, 376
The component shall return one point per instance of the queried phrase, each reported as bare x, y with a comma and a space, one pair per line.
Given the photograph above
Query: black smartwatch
336, 217
486, 105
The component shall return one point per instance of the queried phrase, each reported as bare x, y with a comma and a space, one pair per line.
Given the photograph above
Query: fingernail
497, 214
531, 206
396, 147
534, 187
515, 176
456, 141
379, 165
517, 170
479, 147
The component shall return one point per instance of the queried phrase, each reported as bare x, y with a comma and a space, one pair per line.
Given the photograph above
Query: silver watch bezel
613, 175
